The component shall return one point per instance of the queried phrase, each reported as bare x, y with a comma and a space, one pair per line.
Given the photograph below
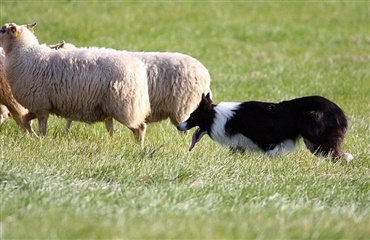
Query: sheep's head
22, 34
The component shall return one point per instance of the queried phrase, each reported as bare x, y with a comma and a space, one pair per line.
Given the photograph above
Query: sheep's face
11, 31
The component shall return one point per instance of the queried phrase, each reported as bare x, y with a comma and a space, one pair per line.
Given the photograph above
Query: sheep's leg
109, 125
68, 125
16, 114
22, 125
139, 134
43, 119
26, 121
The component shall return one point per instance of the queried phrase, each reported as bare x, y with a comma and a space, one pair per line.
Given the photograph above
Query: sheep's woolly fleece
87, 85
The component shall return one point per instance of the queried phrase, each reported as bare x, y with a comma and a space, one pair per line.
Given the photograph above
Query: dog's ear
203, 100
206, 101
207, 98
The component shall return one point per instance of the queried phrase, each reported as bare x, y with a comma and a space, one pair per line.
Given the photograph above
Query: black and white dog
273, 128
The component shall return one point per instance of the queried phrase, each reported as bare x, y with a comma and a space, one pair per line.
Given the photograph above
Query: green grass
87, 185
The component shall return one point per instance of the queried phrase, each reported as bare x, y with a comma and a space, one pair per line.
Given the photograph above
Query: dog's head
201, 117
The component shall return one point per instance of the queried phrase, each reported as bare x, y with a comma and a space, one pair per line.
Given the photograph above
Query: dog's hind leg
326, 145
323, 132
309, 145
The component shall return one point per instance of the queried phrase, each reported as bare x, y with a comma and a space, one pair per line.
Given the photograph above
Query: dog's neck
222, 113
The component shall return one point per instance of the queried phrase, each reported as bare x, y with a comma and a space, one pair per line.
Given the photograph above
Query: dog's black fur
320, 122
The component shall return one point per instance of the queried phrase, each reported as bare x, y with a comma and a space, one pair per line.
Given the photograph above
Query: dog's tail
347, 156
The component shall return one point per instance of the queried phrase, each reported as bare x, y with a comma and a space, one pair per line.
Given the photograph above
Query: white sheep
87, 85
176, 83
8, 102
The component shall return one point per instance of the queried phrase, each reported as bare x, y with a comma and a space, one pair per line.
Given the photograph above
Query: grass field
87, 185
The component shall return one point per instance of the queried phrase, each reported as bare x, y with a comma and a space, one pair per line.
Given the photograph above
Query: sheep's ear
14, 30
31, 27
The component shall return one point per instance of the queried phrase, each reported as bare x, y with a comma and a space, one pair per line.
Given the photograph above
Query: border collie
273, 128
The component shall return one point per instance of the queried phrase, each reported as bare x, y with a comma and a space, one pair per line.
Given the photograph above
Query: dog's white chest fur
225, 111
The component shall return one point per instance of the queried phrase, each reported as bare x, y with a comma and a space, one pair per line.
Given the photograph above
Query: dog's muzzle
182, 127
